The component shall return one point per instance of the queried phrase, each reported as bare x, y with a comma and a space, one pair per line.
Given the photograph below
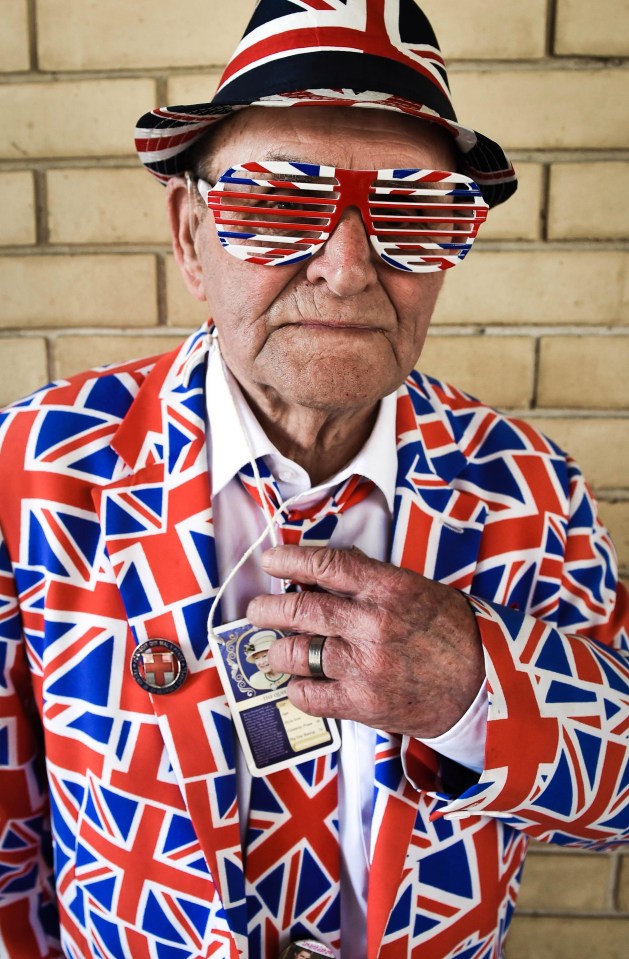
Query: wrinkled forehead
336, 136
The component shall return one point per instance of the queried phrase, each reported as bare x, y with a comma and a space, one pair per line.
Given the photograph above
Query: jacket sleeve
28, 915
557, 751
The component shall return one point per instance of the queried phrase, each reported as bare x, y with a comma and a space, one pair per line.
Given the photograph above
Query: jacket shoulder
105, 389
480, 430
66, 427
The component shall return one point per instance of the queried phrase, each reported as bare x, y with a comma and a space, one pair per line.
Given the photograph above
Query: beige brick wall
536, 322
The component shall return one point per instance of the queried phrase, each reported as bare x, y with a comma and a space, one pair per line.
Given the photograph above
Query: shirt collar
228, 408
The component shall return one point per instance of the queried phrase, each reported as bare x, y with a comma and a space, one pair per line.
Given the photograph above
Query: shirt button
286, 475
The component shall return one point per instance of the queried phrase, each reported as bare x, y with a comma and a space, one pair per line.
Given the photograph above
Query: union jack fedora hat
369, 54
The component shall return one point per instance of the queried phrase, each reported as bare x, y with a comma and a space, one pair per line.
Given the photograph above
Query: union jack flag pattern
107, 529
416, 220
367, 54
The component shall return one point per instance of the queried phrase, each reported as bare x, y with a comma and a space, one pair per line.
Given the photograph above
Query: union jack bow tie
311, 525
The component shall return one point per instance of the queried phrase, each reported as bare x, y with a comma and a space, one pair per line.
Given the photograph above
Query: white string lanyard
271, 518
271, 531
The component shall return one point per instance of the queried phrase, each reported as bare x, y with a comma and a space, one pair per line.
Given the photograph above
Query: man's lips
333, 325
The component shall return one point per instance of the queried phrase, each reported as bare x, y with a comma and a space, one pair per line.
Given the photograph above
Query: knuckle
283, 650
401, 583
324, 562
301, 605
306, 695
307, 691
333, 659
385, 622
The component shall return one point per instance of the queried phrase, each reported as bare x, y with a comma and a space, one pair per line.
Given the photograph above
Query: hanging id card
273, 733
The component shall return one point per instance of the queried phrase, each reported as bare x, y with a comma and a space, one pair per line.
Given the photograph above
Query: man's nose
346, 262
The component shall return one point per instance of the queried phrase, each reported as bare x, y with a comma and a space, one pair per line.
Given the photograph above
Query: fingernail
267, 556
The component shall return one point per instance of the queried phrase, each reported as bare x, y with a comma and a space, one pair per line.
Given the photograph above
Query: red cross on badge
158, 666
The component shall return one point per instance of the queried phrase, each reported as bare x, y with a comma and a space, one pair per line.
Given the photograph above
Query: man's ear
184, 219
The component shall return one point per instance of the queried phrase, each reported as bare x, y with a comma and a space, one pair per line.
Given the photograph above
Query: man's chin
339, 374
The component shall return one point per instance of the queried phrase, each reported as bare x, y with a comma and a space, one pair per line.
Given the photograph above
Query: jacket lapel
437, 530
159, 537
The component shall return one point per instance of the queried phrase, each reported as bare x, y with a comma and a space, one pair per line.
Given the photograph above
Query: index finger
346, 571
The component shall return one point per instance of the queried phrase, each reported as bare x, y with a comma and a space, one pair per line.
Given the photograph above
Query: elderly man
447, 593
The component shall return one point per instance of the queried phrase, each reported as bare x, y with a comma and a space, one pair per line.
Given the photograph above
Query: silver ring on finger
315, 657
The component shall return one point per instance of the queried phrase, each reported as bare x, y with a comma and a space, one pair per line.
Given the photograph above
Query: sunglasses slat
295, 216
296, 197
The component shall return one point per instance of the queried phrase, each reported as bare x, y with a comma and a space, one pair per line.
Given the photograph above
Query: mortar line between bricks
441, 332
536, 371
613, 886
551, 64
162, 306
545, 205
154, 71
125, 332
124, 160
551, 26
569, 413
569, 155
482, 247
161, 89
31, 13
528, 329
115, 73
571, 914
50, 358
41, 209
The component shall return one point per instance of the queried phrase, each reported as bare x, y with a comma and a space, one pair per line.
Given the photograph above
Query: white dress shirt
238, 522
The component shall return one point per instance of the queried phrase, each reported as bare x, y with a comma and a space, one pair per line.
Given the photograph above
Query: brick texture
562, 287
59, 291
479, 365
550, 109
181, 308
584, 372
106, 206
615, 515
593, 187
489, 29
17, 202
14, 45
583, 29
521, 217
545, 937
599, 445
193, 88
623, 888
565, 882
534, 321
71, 354
119, 34
23, 366
83, 117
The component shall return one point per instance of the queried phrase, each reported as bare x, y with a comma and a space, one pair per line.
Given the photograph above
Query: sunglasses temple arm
190, 187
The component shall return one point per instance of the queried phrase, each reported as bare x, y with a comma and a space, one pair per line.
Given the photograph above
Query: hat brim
165, 136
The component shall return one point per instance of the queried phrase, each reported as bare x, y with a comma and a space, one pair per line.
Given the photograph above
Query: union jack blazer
107, 542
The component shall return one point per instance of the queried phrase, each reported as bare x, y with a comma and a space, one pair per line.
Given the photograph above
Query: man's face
343, 329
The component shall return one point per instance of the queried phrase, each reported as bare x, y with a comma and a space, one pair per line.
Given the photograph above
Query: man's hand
403, 653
